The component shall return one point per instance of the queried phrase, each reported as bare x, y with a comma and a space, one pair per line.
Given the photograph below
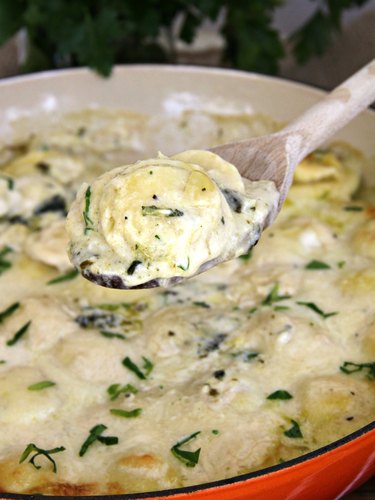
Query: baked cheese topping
257, 361
161, 220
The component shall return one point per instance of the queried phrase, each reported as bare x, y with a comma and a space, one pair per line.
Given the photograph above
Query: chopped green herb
8, 311
150, 172
157, 237
70, 275
8, 180
4, 263
274, 296
353, 208
126, 414
96, 435
39, 386
189, 458
2, 361
112, 335
281, 308
202, 304
294, 432
317, 309
245, 356
215, 431
247, 255
81, 131
157, 211
341, 264
185, 268
317, 264
252, 310
349, 367
20, 333
133, 266
115, 390
30, 448
147, 367
280, 394
86, 218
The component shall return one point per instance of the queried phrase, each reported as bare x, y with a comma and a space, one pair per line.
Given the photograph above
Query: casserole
163, 89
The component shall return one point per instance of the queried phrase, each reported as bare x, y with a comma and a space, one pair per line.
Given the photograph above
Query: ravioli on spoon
159, 221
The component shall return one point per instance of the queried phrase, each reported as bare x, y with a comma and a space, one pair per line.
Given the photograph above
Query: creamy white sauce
220, 344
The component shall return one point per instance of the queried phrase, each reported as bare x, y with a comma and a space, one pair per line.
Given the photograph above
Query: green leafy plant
100, 33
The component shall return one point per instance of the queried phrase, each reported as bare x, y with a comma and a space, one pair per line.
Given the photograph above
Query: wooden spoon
274, 157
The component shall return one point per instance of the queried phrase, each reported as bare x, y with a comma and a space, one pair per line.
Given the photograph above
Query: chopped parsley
86, 218
281, 308
9, 311
185, 268
39, 386
280, 394
31, 448
317, 264
8, 180
19, 334
126, 414
245, 356
157, 237
2, 361
112, 335
146, 368
4, 263
96, 435
274, 296
353, 208
189, 458
294, 431
317, 309
157, 211
341, 264
202, 304
247, 255
115, 390
215, 431
133, 266
70, 275
349, 367
219, 374
81, 131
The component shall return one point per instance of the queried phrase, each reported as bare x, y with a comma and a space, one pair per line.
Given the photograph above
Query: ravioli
262, 359
165, 219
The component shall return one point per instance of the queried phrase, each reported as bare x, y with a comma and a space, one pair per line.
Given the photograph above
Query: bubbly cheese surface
162, 220
259, 360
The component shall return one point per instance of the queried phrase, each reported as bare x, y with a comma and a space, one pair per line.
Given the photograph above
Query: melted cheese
200, 357
166, 218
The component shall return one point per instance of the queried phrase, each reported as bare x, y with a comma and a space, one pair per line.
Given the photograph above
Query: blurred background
314, 41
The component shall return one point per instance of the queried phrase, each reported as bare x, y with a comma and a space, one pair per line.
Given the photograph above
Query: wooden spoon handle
323, 119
